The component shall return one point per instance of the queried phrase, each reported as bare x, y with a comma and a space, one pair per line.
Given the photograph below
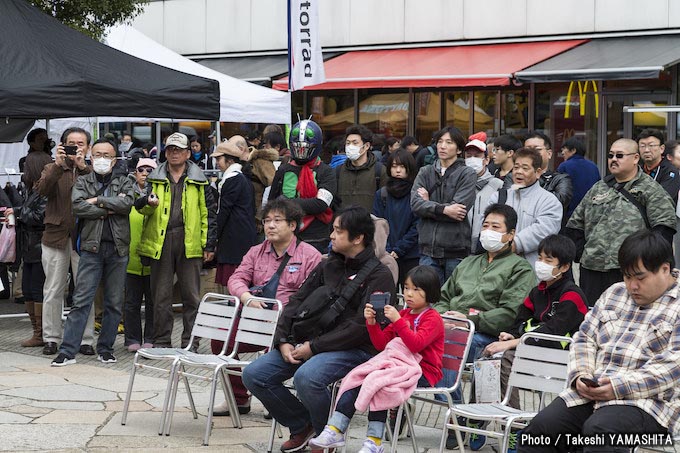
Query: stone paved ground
78, 407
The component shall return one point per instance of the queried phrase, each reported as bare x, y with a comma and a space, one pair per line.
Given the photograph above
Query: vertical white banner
305, 58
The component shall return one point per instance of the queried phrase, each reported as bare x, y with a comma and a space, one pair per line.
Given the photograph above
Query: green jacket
136, 226
606, 218
198, 211
496, 289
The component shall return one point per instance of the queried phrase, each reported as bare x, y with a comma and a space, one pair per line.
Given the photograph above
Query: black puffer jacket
559, 184
349, 331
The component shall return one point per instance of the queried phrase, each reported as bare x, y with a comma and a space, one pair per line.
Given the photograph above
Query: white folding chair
458, 334
214, 321
536, 369
256, 326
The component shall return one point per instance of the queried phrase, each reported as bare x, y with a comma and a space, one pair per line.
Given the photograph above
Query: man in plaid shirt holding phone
624, 369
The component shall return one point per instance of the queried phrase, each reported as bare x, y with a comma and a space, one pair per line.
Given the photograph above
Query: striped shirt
637, 347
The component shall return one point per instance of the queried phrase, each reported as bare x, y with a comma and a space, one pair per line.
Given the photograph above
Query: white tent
240, 102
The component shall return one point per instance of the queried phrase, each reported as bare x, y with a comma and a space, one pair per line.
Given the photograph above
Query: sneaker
63, 360
298, 442
452, 440
97, 327
370, 447
477, 441
512, 441
121, 328
147, 346
107, 357
134, 347
328, 438
403, 426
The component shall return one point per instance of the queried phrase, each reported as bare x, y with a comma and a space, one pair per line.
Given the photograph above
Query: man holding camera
322, 333
55, 183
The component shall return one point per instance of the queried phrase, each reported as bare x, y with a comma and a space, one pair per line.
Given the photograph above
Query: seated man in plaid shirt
624, 369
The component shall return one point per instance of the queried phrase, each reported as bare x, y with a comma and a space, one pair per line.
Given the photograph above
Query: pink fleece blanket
386, 380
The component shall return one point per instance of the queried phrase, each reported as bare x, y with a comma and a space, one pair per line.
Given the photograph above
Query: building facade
409, 67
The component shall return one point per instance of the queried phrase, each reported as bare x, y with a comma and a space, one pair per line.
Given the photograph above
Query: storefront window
565, 110
333, 112
649, 120
385, 114
515, 112
458, 110
485, 112
427, 112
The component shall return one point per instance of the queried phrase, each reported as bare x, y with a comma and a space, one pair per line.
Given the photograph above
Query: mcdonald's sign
582, 88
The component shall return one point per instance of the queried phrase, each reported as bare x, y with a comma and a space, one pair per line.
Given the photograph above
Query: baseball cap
146, 162
477, 145
178, 140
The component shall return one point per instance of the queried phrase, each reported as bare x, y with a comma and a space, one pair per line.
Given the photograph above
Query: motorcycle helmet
305, 141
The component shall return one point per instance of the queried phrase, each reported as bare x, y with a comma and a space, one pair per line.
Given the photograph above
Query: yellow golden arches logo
582, 92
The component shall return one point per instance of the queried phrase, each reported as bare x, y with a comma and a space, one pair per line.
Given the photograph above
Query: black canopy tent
48, 70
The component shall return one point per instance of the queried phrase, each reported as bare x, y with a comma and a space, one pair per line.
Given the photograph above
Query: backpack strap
502, 195
637, 204
347, 293
378, 172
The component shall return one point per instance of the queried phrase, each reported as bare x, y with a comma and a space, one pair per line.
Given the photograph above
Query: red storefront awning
460, 66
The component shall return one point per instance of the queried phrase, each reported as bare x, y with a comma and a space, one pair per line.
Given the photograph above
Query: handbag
8, 244
268, 290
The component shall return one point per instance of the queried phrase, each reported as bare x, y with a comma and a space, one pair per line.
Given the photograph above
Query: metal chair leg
128, 394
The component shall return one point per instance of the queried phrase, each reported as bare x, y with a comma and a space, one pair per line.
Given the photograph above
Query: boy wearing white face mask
556, 306
477, 158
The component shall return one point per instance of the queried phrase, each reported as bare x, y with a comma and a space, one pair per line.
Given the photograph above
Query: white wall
215, 26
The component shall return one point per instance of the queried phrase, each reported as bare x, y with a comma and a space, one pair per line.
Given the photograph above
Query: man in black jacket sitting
318, 356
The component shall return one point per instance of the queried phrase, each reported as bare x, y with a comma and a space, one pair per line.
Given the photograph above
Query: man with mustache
622, 203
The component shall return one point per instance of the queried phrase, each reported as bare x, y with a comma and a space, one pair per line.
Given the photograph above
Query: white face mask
492, 241
476, 163
544, 271
101, 165
353, 152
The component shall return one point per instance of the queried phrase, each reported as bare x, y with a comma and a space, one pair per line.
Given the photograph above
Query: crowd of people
477, 228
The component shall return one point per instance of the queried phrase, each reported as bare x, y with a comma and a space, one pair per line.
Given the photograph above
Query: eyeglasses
649, 146
144, 170
275, 221
174, 149
618, 155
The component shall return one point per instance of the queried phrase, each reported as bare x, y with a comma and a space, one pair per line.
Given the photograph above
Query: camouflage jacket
606, 218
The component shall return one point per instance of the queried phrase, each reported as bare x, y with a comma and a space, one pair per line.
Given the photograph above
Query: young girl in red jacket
421, 329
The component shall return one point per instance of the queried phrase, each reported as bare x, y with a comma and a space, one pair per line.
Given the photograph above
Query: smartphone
378, 301
589, 382
70, 150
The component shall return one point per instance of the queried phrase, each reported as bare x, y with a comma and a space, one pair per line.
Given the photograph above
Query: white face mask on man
102, 165
491, 240
476, 163
353, 152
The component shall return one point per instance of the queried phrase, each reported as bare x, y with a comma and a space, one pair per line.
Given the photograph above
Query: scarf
398, 188
306, 188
